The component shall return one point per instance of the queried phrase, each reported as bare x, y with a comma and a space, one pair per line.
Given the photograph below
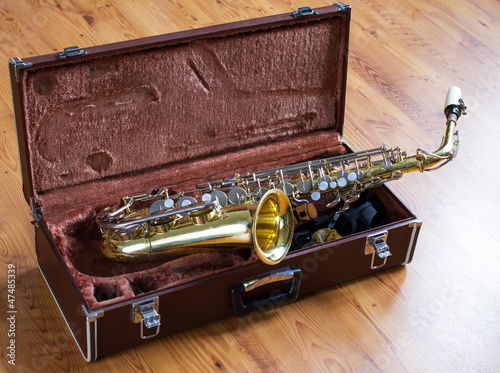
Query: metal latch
304, 11
146, 313
71, 52
377, 244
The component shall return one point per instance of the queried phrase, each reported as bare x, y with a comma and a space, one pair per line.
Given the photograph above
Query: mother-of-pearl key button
351, 176
323, 185
324, 182
186, 201
341, 181
315, 196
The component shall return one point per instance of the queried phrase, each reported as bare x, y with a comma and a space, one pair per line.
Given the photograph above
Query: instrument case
174, 111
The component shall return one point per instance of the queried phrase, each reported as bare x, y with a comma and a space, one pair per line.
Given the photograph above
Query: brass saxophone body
256, 210
142, 235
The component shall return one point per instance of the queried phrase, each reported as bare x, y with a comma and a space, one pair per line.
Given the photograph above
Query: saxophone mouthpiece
454, 103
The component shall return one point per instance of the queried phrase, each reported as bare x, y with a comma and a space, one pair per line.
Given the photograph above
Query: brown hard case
176, 110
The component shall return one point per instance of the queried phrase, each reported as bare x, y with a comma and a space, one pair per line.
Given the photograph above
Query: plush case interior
175, 116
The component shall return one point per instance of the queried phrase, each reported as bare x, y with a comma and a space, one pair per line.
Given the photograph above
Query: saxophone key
352, 176
323, 180
286, 187
385, 164
303, 186
258, 193
220, 197
185, 201
157, 206
315, 196
237, 196
359, 173
341, 180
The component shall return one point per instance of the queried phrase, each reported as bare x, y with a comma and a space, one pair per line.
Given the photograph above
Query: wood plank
440, 313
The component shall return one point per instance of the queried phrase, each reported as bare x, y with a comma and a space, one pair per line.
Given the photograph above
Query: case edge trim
90, 318
14, 73
415, 224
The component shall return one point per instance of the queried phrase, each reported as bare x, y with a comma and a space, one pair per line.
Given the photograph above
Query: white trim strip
415, 224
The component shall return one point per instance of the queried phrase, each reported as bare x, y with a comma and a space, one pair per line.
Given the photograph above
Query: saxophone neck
453, 109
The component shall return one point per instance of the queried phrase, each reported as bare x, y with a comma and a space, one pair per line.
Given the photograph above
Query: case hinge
304, 11
36, 211
71, 52
377, 244
18, 65
146, 313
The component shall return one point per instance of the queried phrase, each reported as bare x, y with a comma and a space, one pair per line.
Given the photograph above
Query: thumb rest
257, 210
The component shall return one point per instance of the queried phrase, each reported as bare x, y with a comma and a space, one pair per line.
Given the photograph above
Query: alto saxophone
254, 210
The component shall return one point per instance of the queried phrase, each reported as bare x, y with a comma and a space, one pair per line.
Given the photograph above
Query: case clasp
377, 244
71, 52
304, 11
146, 313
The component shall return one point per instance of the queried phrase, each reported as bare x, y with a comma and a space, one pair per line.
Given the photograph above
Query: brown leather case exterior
102, 329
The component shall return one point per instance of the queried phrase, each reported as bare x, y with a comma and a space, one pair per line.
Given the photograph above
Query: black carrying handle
241, 309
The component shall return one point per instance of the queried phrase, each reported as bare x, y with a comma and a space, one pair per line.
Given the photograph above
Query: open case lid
140, 105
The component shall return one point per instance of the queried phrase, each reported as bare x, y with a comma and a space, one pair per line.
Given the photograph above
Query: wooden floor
438, 314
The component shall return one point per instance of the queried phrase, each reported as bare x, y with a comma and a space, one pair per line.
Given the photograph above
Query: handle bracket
241, 309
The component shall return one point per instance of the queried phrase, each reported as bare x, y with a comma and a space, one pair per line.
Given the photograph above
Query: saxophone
257, 210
